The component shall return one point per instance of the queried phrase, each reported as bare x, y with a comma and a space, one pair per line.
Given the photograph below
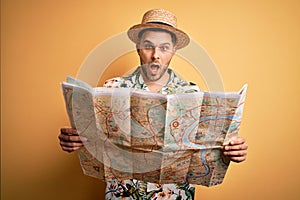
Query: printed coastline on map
134, 134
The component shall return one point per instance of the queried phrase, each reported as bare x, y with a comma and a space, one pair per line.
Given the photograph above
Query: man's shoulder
117, 82
124, 81
178, 85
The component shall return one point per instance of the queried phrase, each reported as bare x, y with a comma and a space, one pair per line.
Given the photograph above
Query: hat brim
182, 39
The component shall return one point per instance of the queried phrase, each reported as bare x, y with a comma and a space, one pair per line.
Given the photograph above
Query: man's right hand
69, 139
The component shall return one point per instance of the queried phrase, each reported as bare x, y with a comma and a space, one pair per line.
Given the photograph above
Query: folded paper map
135, 134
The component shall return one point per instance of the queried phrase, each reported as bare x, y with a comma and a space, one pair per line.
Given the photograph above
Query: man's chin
152, 76
153, 79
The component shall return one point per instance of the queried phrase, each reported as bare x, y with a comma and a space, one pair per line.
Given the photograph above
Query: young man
157, 40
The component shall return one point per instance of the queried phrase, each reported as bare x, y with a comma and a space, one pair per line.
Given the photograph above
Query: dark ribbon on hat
161, 23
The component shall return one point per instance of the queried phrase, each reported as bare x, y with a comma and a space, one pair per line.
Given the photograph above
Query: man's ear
137, 48
174, 50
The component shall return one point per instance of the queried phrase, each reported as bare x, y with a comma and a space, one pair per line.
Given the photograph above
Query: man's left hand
236, 150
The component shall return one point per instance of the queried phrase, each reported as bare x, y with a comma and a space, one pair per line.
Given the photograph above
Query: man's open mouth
154, 67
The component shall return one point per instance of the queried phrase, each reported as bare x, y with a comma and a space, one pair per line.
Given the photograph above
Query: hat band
161, 23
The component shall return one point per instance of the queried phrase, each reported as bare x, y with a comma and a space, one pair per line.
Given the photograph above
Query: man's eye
164, 48
148, 46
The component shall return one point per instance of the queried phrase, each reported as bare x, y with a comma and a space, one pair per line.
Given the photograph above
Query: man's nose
155, 53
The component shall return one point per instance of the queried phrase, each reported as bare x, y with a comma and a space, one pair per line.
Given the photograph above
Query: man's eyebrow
166, 43
148, 41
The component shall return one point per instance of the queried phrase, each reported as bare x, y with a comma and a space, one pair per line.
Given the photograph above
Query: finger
236, 147
70, 149
68, 131
238, 159
70, 144
70, 138
235, 153
236, 141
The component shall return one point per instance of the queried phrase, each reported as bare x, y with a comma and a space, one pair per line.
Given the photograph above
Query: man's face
156, 50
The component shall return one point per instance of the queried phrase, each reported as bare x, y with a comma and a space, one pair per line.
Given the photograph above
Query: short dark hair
173, 36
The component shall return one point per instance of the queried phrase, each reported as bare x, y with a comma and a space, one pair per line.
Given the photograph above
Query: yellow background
254, 42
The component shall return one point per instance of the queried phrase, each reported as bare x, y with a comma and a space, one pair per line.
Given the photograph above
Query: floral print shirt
135, 189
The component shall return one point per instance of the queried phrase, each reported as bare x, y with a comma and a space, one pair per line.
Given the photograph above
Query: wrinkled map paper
134, 134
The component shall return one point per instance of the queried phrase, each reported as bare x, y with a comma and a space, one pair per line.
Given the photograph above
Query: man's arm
236, 150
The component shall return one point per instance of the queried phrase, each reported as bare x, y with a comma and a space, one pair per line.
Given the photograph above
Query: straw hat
161, 19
